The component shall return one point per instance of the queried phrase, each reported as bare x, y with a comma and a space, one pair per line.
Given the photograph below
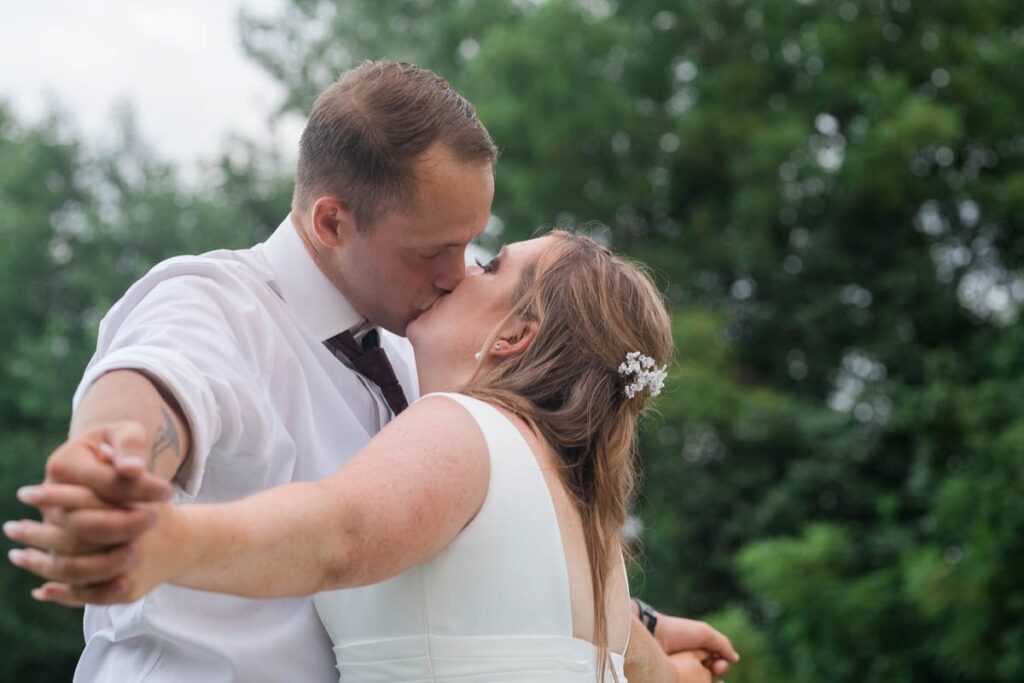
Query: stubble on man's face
400, 266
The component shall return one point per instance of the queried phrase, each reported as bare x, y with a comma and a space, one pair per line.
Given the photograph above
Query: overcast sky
179, 62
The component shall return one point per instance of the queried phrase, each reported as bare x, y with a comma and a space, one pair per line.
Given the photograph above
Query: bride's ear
514, 340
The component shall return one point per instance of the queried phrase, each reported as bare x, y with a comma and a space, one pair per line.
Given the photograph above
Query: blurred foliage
832, 194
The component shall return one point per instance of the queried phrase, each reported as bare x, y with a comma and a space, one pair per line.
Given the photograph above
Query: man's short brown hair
367, 129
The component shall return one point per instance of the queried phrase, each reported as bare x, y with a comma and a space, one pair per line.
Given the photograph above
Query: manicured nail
13, 529
30, 494
16, 556
37, 594
130, 460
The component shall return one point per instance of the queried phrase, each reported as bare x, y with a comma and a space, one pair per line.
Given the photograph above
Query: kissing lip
428, 307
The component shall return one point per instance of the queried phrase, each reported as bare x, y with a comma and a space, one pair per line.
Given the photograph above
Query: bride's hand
79, 572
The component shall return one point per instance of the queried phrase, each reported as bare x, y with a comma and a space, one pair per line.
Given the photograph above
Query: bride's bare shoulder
437, 420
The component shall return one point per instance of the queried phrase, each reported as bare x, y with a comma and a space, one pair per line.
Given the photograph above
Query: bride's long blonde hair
591, 308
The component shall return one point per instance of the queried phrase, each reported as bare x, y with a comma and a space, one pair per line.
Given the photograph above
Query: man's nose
451, 274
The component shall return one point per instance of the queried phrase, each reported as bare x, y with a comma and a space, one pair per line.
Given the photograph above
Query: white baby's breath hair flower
644, 372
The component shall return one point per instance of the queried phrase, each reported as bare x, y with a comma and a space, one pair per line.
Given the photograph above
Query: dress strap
482, 412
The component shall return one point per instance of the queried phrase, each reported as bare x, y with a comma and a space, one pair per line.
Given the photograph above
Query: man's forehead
450, 239
446, 237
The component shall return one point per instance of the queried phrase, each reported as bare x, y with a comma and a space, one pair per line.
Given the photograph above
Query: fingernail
130, 460
13, 529
30, 494
37, 594
16, 555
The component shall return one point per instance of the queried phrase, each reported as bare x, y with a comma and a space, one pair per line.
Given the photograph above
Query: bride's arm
400, 500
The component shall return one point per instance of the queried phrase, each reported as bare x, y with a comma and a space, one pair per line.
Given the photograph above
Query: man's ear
332, 220
515, 339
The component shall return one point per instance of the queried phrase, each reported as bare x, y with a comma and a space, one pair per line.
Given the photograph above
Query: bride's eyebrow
496, 261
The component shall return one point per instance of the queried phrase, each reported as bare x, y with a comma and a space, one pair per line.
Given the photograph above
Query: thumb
126, 447
721, 644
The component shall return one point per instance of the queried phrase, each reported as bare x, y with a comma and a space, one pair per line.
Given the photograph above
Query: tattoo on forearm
167, 439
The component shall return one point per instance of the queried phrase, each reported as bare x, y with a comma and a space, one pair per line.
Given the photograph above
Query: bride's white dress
492, 606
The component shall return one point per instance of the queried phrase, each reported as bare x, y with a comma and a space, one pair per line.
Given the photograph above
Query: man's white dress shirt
238, 338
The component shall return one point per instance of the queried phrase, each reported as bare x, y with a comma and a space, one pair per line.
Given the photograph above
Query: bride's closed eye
486, 267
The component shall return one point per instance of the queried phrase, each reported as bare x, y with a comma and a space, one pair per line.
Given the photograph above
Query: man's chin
416, 329
418, 316
398, 326
411, 324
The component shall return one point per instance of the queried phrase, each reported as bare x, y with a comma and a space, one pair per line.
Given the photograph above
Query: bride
477, 536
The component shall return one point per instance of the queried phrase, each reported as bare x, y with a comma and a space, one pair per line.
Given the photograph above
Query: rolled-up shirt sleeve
199, 338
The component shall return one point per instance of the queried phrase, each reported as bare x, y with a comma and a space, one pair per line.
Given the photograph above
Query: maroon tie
372, 363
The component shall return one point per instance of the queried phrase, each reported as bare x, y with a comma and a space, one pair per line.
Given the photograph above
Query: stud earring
478, 355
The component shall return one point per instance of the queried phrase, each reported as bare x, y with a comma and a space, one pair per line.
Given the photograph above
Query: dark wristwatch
648, 617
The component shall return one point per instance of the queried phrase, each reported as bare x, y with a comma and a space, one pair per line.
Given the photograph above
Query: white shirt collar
316, 303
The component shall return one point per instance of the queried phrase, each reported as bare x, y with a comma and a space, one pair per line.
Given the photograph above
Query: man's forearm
130, 395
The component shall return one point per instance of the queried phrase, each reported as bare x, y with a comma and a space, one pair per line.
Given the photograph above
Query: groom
220, 375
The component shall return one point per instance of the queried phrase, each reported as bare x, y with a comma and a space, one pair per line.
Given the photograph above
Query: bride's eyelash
486, 267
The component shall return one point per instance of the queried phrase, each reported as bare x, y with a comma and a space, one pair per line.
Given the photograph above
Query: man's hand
105, 479
108, 459
676, 634
91, 508
689, 666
